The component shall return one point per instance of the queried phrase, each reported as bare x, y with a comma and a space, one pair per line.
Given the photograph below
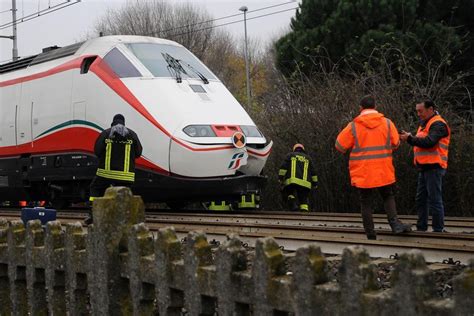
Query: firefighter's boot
398, 227
292, 203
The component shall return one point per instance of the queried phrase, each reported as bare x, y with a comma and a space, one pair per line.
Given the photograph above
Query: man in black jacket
430, 147
297, 177
116, 148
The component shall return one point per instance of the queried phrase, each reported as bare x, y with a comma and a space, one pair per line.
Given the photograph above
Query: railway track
332, 232
453, 224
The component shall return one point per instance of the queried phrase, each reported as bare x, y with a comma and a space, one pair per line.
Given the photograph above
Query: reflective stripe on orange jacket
371, 138
436, 154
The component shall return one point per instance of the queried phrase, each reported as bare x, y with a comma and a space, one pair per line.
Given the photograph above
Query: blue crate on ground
43, 214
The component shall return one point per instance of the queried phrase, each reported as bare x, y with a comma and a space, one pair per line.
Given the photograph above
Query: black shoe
421, 230
398, 227
440, 231
372, 236
88, 221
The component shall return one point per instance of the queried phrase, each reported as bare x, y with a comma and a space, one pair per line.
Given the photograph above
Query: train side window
120, 64
86, 64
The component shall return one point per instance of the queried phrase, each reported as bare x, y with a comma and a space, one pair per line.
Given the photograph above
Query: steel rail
296, 219
334, 245
452, 224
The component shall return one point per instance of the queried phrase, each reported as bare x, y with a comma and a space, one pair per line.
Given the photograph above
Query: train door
9, 100
24, 114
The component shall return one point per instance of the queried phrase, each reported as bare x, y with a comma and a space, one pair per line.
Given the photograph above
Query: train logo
238, 159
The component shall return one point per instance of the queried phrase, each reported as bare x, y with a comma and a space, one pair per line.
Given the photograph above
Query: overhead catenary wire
233, 22
5, 11
39, 13
200, 23
218, 19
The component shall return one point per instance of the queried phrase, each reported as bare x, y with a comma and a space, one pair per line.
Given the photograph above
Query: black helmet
118, 119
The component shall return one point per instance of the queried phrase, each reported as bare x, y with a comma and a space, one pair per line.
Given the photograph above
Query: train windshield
163, 60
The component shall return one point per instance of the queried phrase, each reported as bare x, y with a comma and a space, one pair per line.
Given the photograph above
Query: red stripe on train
73, 139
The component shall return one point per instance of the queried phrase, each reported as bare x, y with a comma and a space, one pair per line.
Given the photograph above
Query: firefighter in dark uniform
297, 177
116, 148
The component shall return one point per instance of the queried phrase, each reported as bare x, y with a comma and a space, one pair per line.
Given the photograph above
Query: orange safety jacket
371, 138
436, 154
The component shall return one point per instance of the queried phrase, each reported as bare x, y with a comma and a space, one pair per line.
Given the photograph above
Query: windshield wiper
200, 75
175, 65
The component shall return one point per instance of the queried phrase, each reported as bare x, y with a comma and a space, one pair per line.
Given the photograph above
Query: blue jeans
429, 199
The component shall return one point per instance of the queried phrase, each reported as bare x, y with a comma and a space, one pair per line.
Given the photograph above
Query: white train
54, 105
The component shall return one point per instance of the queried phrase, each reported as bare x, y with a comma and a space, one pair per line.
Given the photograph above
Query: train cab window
120, 64
159, 58
86, 64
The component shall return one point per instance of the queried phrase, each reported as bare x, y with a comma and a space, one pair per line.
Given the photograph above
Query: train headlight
199, 131
250, 131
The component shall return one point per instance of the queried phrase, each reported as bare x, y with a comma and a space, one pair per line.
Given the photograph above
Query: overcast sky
71, 24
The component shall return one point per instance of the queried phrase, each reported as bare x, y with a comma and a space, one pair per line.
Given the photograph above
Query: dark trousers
429, 199
296, 197
100, 184
367, 197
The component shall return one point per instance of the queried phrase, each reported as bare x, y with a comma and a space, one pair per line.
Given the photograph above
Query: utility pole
14, 36
244, 9
15, 48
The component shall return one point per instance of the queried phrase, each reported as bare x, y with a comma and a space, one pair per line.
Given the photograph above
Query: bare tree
184, 23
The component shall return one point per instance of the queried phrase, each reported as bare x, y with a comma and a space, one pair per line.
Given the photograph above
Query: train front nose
216, 151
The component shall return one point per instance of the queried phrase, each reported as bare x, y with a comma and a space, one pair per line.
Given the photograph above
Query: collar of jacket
368, 111
424, 122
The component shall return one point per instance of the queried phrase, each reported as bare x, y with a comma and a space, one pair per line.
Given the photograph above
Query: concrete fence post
5, 302
231, 257
56, 268
464, 291
269, 262
114, 214
197, 256
35, 269
142, 270
168, 255
76, 263
357, 275
17, 268
310, 268
412, 284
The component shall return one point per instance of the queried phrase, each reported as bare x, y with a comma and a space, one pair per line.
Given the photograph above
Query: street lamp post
244, 9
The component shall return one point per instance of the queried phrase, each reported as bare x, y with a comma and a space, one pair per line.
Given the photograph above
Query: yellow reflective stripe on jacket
297, 181
108, 153
293, 167
116, 175
305, 170
126, 164
314, 178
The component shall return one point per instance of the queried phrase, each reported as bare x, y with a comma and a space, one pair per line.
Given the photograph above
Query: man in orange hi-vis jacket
430, 147
371, 138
